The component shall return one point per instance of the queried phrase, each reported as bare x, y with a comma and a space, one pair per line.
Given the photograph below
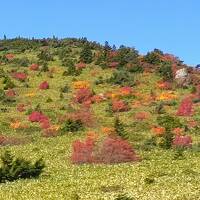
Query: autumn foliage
44, 85
186, 107
109, 151
182, 141
119, 106
83, 95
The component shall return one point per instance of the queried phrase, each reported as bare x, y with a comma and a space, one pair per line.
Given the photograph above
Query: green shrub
72, 126
2, 95
71, 68
86, 54
8, 84
18, 168
152, 58
119, 128
149, 144
122, 78
165, 72
136, 69
169, 122
126, 55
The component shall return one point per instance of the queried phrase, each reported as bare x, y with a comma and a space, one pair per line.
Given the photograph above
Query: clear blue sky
170, 25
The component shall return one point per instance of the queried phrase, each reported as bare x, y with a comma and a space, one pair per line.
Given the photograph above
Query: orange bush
92, 135
167, 96
81, 85
178, 131
158, 131
108, 130
52, 131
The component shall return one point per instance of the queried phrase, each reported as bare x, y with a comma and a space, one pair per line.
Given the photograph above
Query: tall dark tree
86, 54
107, 47
127, 55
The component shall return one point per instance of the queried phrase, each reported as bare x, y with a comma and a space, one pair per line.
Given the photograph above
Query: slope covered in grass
54, 92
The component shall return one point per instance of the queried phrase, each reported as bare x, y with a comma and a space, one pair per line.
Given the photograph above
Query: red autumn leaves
44, 85
111, 150
186, 107
36, 116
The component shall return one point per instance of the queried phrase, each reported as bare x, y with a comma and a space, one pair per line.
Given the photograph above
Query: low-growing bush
8, 83
21, 76
122, 78
182, 141
110, 150
119, 128
186, 107
18, 168
166, 72
119, 106
83, 95
44, 85
169, 123
72, 126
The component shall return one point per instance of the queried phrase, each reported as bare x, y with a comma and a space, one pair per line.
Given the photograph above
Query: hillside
107, 121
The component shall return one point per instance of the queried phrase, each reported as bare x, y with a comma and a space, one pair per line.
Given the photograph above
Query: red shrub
140, 116
36, 116
10, 93
83, 95
44, 85
119, 106
126, 90
182, 141
186, 107
85, 115
34, 67
111, 150
45, 123
9, 56
82, 151
98, 98
20, 76
116, 150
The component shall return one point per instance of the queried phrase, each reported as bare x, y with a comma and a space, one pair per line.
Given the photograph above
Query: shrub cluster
18, 168
110, 150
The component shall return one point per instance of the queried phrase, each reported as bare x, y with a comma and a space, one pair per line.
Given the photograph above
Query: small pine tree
86, 55
119, 128
15, 168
